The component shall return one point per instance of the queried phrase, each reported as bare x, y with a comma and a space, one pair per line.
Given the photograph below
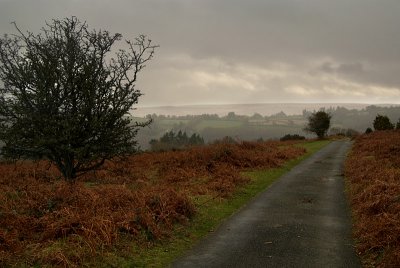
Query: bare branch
62, 99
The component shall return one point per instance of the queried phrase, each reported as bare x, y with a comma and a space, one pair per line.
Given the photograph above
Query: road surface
302, 220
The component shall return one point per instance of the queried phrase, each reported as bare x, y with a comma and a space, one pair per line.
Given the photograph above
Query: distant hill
265, 109
256, 121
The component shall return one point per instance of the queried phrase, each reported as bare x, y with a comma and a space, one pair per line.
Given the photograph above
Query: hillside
257, 125
243, 109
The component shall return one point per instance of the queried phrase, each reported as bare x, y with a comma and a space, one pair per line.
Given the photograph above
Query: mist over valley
256, 121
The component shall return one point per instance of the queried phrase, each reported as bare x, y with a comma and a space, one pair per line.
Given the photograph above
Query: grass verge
211, 212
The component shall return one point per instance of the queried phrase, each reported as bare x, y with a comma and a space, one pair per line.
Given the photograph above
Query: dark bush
175, 141
351, 133
319, 123
382, 122
368, 130
292, 137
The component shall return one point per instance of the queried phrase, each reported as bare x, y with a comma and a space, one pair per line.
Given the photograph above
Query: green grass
210, 214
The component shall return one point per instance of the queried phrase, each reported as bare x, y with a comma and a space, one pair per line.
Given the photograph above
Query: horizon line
264, 103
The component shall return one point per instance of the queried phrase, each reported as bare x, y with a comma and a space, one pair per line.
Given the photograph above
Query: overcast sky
246, 51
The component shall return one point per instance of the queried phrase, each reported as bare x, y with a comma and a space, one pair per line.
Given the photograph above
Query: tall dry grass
46, 221
373, 172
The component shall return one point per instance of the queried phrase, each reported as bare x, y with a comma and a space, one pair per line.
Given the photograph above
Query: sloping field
124, 207
373, 173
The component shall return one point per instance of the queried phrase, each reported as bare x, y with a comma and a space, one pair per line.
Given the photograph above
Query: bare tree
64, 98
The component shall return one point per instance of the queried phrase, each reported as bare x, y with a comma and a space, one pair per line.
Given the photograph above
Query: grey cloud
358, 72
327, 67
346, 69
354, 40
351, 68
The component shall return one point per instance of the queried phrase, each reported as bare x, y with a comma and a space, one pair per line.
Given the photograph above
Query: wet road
302, 220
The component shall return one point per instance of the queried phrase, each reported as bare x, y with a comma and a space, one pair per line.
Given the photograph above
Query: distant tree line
175, 141
356, 119
359, 120
211, 127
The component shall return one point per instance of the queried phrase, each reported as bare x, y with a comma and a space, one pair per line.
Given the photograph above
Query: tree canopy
63, 97
382, 122
319, 123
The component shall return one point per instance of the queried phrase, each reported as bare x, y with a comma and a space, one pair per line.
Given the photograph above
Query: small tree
398, 125
62, 97
382, 122
368, 130
319, 123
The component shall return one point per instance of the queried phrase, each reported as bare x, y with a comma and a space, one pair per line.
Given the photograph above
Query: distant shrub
398, 125
351, 133
343, 132
175, 141
382, 122
291, 137
337, 131
319, 123
226, 140
368, 130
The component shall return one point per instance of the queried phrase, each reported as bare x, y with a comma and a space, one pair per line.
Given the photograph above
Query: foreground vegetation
373, 173
125, 213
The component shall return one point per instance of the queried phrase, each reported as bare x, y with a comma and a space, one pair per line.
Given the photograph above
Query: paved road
302, 220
